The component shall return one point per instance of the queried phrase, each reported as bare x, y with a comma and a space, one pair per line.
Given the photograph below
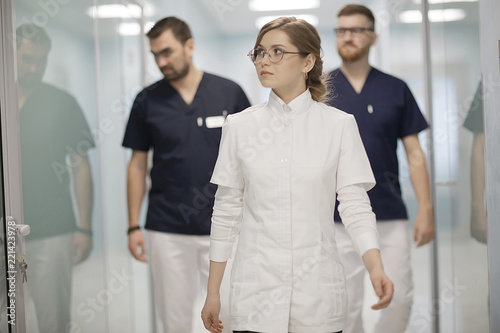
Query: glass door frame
490, 63
9, 120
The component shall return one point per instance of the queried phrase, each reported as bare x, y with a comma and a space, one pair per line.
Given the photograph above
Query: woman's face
288, 75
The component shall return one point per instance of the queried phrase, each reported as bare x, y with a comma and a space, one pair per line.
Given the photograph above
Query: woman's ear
310, 62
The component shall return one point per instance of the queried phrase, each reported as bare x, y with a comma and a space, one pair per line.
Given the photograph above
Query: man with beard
180, 119
54, 144
385, 111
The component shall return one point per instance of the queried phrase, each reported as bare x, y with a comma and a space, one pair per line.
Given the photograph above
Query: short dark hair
33, 33
179, 28
353, 9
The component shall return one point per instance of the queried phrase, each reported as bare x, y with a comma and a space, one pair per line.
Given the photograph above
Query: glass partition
458, 146
76, 86
71, 96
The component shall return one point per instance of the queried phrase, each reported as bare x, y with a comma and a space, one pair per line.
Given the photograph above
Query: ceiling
226, 17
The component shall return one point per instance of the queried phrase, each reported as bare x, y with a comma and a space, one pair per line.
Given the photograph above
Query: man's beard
30, 81
352, 54
175, 75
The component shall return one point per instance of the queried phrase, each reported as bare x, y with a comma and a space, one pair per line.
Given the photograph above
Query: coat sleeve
227, 171
354, 166
358, 218
226, 222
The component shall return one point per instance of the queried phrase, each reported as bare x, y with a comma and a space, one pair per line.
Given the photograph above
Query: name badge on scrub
215, 121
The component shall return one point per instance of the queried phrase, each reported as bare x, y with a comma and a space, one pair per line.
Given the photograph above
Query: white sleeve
354, 166
226, 222
359, 220
227, 170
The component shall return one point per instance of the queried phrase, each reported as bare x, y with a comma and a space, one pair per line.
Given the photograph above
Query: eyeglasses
355, 32
275, 55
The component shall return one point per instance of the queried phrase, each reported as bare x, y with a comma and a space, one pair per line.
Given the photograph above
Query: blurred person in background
179, 118
386, 112
56, 174
474, 123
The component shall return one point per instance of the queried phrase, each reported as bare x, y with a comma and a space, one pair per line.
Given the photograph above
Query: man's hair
353, 9
33, 33
179, 28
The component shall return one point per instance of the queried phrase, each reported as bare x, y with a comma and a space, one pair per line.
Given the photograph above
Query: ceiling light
312, 19
133, 28
443, 1
115, 11
268, 5
435, 15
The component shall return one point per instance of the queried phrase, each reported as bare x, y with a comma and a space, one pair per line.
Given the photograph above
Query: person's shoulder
219, 81
334, 72
52, 93
243, 116
50, 90
160, 89
331, 111
380, 75
156, 87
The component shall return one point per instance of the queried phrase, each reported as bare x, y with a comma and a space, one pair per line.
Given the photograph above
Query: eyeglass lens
354, 31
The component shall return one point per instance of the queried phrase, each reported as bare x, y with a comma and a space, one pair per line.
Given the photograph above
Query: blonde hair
306, 38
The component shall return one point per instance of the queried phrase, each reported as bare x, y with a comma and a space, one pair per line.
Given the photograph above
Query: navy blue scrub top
385, 111
185, 142
52, 125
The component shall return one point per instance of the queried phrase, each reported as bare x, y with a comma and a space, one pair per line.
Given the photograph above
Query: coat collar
291, 110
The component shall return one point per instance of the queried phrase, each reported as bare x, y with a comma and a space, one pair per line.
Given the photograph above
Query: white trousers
180, 266
395, 252
50, 267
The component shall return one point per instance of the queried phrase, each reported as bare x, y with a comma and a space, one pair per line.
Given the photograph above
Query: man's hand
82, 245
423, 227
479, 223
137, 245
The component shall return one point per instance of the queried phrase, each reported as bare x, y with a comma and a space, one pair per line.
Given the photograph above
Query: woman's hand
384, 288
210, 314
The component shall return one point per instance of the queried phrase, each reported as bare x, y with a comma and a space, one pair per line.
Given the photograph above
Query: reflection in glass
474, 123
57, 182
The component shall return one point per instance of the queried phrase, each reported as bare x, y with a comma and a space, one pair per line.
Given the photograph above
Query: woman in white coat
280, 166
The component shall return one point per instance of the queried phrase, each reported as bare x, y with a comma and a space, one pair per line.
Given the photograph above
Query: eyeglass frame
356, 31
269, 55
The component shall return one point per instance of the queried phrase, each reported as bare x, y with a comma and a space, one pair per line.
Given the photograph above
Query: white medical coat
289, 160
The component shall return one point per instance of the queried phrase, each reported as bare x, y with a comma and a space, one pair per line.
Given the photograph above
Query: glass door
12, 231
